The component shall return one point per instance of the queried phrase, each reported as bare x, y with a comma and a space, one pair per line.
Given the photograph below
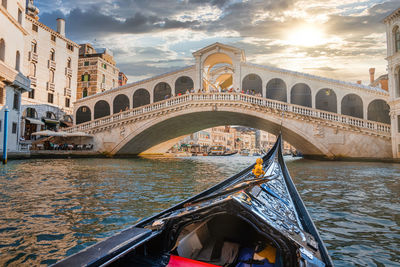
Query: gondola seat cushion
246, 259
177, 261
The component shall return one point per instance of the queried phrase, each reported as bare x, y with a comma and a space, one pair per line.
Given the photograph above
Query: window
35, 28
84, 92
4, 3
85, 77
31, 94
2, 95
70, 47
50, 115
67, 102
69, 63
68, 84
19, 16
397, 39
113, 83
53, 38
14, 127
32, 69
51, 76
103, 80
104, 65
34, 47
16, 101
398, 123
31, 113
50, 97
2, 49
86, 63
52, 55
17, 61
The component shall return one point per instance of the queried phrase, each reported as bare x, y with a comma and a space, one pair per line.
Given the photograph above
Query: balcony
33, 56
52, 64
68, 72
67, 92
85, 84
103, 86
33, 81
51, 86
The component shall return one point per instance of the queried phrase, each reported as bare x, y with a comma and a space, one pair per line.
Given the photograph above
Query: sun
306, 36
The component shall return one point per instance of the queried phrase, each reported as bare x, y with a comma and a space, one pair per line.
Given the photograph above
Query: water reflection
53, 208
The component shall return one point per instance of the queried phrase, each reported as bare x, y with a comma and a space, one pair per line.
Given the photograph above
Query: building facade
13, 82
122, 79
393, 57
96, 71
51, 63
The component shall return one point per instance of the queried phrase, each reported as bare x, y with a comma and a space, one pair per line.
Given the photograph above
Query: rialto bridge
319, 116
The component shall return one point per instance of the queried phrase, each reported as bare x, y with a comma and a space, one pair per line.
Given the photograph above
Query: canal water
53, 208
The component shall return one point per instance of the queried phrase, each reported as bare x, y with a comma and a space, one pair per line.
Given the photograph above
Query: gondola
242, 221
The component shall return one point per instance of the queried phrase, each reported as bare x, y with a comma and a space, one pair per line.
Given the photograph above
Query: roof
394, 14
221, 46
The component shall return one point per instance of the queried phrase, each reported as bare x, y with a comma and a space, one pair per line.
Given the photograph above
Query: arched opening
378, 110
84, 92
34, 46
101, 109
69, 62
252, 84
32, 69
396, 35
83, 114
17, 61
120, 103
326, 100
276, 90
183, 84
31, 122
217, 72
52, 55
301, 95
51, 76
50, 115
141, 97
352, 105
30, 113
162, 91
2, 50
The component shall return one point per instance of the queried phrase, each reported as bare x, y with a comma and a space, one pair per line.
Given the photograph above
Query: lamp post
5, 135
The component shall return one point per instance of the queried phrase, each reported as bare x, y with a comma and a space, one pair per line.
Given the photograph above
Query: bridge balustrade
235, 97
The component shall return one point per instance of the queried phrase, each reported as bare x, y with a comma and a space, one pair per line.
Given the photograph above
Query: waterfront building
51, 63
96, 71
381, 81
13, 82
392, 23
122, 79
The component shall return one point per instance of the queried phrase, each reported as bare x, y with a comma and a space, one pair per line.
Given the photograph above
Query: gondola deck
206, 227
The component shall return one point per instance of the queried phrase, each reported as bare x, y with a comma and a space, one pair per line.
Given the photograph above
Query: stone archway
120, 103
326, 100
83, 114
183, 84
252, 84
101, 109
141, 97
352, 105
301, 95
162, 91
276, 90
378, 110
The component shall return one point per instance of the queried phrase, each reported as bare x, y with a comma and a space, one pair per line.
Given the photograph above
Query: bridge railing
234, 97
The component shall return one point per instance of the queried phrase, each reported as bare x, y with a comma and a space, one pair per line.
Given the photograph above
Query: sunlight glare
306, 36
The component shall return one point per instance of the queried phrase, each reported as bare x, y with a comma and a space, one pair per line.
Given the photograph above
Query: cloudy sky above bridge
330, 38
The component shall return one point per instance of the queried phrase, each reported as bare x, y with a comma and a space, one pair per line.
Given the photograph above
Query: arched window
17, 61
84, 92
2, 50
51, 76
50, 115
101, 109
113, 83
30, 113
162, 91
32, 69
103, 80
83, 114
378, 110
120, 103
69, 63
276, 90
301, 95
396, 34
252, 84
68, 82
34, 46
183, 84
141, 97
85, 77
352, 105
52, 55
326, 100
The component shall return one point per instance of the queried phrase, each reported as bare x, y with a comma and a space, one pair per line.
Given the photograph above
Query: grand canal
53, 208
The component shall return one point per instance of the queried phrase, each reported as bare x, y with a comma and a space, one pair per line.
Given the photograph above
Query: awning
34, 121
51, 121
50, 133
78, 134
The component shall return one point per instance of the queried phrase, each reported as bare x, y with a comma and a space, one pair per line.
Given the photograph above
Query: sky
330, 38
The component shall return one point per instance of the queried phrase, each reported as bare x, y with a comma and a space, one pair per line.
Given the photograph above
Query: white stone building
12, 81
393, 57
51, 63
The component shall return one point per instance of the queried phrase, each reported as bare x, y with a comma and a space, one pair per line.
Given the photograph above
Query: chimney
61, 26
359, 81
372, 75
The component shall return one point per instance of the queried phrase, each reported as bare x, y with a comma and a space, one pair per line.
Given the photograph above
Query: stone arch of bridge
252, 83
326, 99
141, 97
378, 110
188, 121
276, 89
182, 84
352, 105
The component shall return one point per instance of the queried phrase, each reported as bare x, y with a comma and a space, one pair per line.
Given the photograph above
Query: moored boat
242, 221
